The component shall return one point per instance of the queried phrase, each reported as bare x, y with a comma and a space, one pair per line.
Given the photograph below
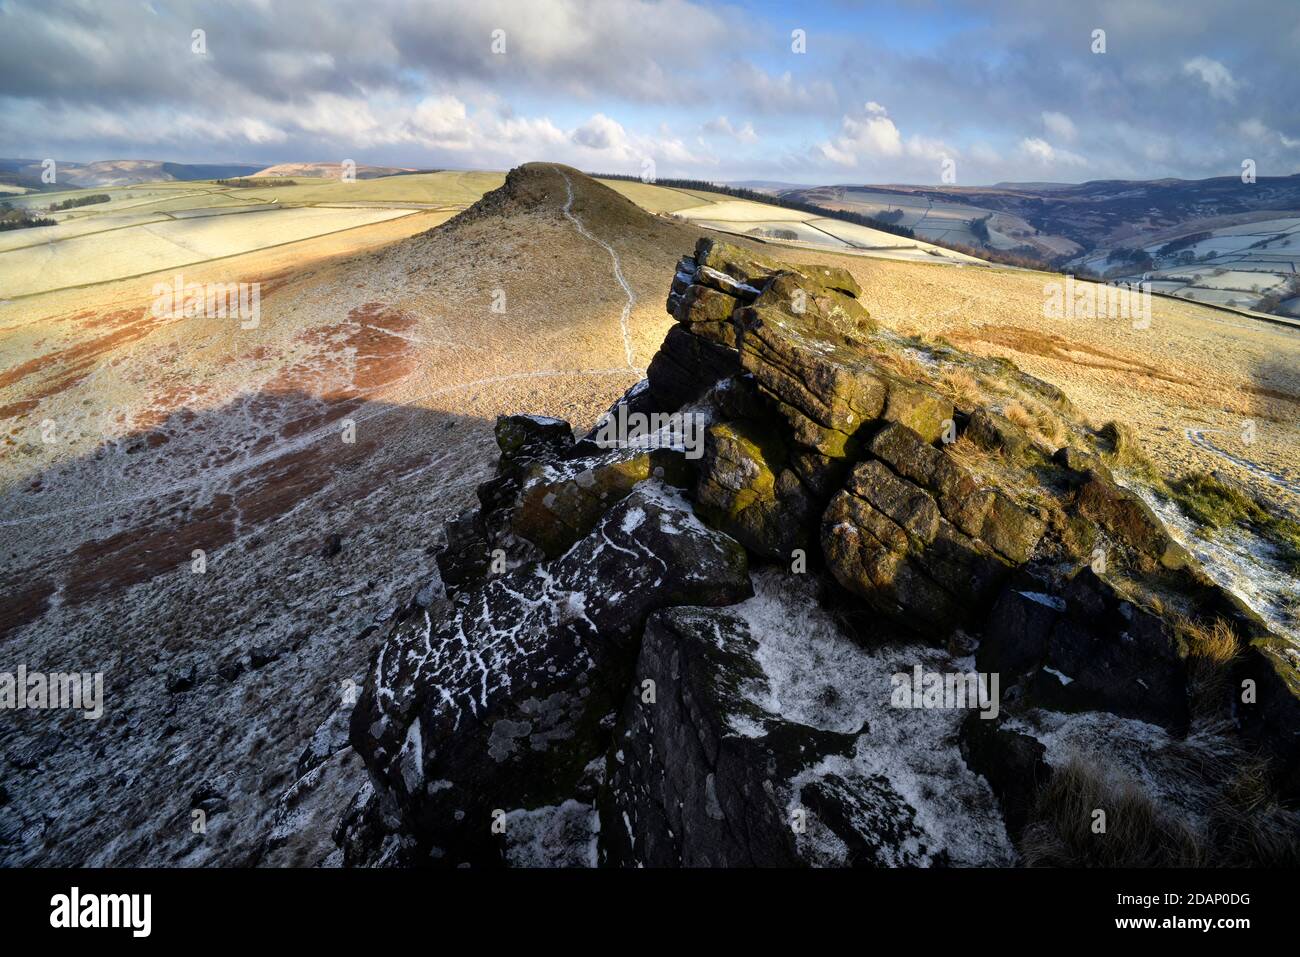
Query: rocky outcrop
704, 776
499, 704
599, 648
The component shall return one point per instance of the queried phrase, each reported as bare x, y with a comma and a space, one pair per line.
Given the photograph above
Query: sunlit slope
156, 227
777, 224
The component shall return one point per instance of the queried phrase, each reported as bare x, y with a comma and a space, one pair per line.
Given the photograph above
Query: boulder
904, 503
754, 269
560, 502
465, 558
705, 304
1010, 529
746, 490
794, 293
804, 365
1127, 518
885, 539
524, 439
993, 431
919, 408
1087, 649
501, 704
1014, 764
959, 495
872, 556
1018, 630
701, 777
686, 365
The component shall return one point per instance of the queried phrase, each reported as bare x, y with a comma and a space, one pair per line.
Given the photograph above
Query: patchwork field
742, 217
1252, 265
939, 221
160, 227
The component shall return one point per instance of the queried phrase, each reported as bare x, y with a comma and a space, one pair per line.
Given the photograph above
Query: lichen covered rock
898, 511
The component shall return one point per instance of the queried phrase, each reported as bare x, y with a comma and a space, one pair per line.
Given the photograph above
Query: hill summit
538, 187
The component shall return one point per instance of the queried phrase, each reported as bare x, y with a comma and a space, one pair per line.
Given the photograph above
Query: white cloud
600, 133
442, 119
721, 126
1222, 84
1045, 154
872, 136
1060, 126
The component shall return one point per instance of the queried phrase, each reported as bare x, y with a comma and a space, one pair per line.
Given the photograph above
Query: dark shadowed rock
686, 365
687, 790
500, 706
524, 439
1012, 763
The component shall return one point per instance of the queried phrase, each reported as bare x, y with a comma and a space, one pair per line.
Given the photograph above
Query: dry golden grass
1039, 421
1215, 643
900, 365
1211, 649
1063, 826
966, 453
962, 387
1018, 414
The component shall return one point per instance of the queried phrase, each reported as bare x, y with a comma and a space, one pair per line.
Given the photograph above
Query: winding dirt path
567, 210
1198, 438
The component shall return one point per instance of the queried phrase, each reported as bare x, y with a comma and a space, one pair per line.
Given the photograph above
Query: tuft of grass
962, 387
1120, 445
1211, 649
1215, 504
1018, 414
1061, 828
1249, 827
903, 366
1038, 420
1215, 643
966, 453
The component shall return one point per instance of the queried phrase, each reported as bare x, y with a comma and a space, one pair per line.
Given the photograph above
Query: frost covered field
227, 685
173, 436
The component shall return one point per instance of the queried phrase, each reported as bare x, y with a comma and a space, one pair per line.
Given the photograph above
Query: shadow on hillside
200, 480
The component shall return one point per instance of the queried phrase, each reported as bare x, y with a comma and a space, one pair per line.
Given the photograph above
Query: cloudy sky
800, 92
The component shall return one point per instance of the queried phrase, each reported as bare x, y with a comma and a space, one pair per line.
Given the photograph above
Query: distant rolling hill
27, 172
332, 170
1217, 240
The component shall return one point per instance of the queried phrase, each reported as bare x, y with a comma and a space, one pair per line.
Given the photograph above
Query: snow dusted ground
216, 685
1241, 562
1176, 773
816, 675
